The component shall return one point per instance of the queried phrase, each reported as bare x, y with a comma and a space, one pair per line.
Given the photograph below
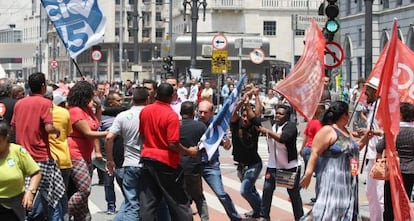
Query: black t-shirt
190, 133
245, 142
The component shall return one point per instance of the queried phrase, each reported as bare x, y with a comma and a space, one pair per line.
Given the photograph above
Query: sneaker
251, 214
111, 210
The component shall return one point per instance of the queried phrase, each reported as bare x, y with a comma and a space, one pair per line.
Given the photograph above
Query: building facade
352, 32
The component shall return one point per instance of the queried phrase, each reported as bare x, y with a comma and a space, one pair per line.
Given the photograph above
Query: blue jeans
212, 175
130, 207
40, 213
269, 187
248, 176
306, 155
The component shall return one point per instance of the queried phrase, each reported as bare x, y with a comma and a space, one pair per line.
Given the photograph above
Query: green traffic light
332, 26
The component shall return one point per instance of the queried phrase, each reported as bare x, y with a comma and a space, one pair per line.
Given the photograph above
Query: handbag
379, 170
285, 178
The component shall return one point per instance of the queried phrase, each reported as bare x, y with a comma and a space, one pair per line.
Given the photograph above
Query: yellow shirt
13, 169
59, 147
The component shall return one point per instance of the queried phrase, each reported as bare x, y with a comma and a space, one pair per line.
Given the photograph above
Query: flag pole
370, 128
77, 68
353, 113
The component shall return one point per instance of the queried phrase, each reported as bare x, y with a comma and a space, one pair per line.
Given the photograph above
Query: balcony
291, 4
226, 4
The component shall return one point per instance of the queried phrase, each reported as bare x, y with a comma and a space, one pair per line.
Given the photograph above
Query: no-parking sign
334, 55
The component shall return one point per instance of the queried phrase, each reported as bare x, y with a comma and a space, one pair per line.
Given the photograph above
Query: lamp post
194, 5
368, 37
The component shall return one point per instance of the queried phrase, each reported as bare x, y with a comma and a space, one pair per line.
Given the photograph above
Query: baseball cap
49, 92
58, 98
373, 83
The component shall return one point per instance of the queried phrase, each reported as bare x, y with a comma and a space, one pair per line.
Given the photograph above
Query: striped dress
338, 193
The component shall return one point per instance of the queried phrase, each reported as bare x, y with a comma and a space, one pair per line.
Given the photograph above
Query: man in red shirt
32, 122
160, 156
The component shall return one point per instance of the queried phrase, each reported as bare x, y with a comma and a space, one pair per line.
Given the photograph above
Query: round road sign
96, 55
257, 56
54, 64
219, 42
334, 55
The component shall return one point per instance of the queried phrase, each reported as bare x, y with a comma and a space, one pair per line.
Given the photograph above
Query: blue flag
211, 139
79, 23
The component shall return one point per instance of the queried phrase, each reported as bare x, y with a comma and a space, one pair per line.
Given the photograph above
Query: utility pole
121, 36
135, 31
170, 28
368, 37
194, 4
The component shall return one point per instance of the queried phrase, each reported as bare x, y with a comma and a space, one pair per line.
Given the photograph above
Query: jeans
109, 188
306, 155
39, 212
248, 176
160, 181
269, 187
130, 207
212, 175
194, 188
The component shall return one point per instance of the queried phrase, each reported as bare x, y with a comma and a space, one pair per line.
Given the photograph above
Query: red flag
303, 86
389, 108
405, 72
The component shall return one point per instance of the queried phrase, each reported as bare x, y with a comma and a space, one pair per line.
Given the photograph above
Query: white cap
373, 83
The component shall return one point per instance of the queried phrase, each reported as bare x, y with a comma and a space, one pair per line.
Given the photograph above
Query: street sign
302, 22
54, 64
96, 55
248, 43
219, 42
334, 55
219, 61
257, 56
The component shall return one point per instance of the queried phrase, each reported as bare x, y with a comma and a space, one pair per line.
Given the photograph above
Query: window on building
158, 16
386, 4
347, 7
359, 64
145, 33
159, 33
117, 2
359, 7
359, 36
269, 28
399, 2
159, 2
300, 32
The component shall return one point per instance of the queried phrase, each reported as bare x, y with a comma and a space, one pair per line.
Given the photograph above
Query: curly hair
80, 94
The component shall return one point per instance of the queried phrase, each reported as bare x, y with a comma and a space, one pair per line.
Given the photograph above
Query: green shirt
13, 169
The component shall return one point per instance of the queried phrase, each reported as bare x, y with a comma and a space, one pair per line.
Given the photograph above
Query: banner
304, 85
214, 134
388, 112
79, 23
405, 72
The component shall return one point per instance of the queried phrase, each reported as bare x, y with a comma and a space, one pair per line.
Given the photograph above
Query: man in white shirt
182, 92
375, 188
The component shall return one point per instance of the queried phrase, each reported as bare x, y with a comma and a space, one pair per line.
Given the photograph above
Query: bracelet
32, 190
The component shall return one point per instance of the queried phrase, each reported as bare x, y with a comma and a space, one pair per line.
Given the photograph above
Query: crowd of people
52, 138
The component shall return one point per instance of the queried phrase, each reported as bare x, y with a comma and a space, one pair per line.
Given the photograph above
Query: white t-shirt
372, 143
278, 155
182, 93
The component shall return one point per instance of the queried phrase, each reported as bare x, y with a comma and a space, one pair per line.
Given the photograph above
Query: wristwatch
32, 190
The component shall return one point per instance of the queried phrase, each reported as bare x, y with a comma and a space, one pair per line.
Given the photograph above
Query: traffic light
168, 65
332, 11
